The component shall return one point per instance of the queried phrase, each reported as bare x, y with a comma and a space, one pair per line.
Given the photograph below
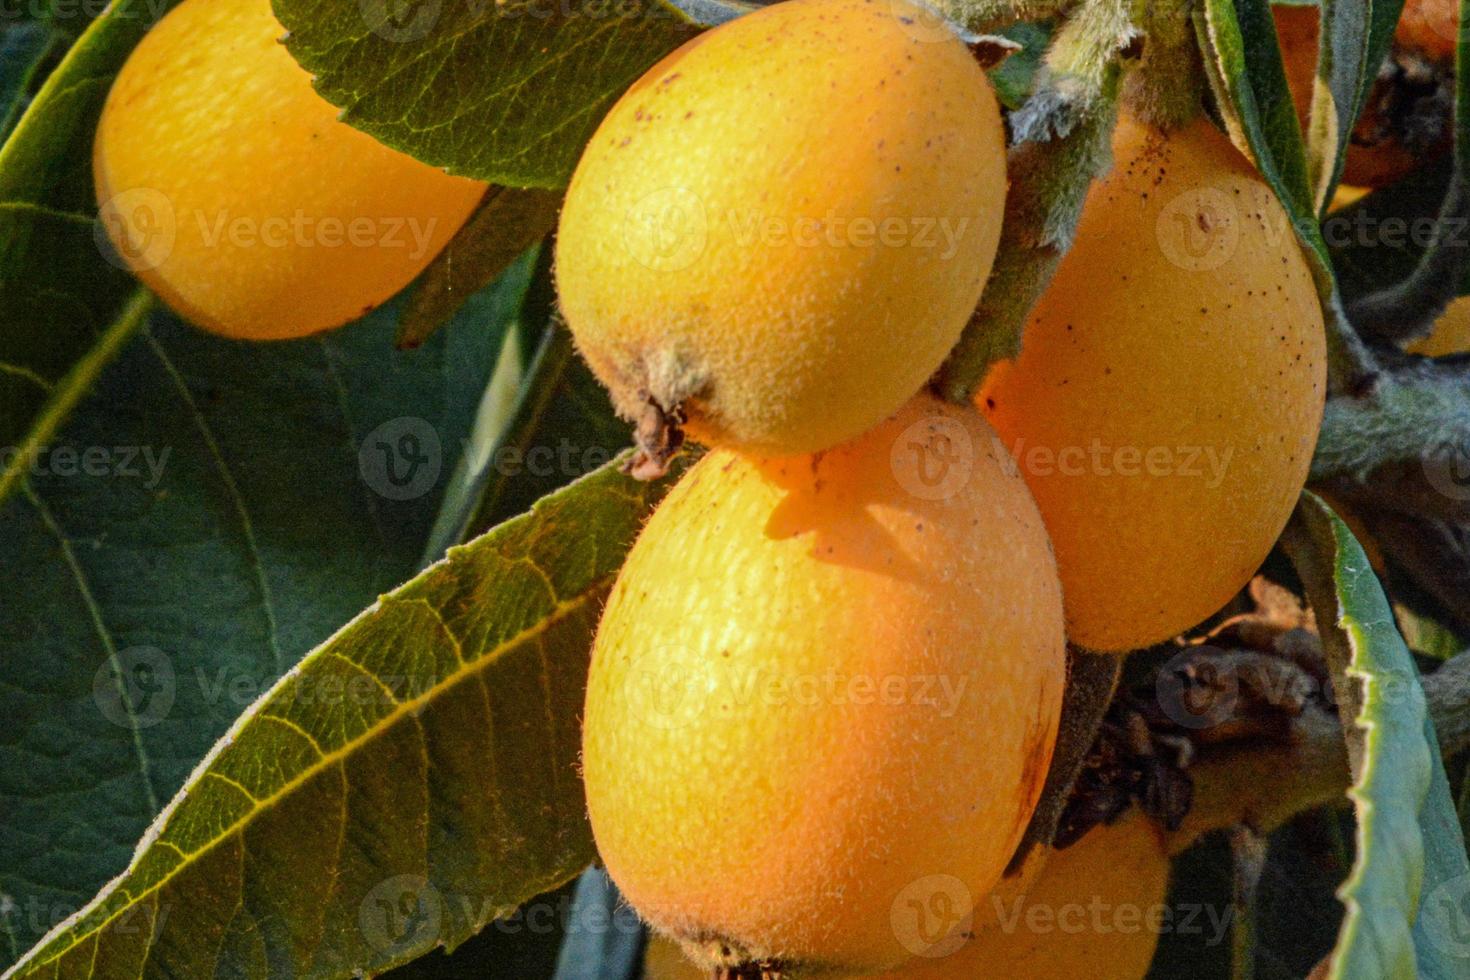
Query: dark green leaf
564, 426
504, 92
507, 223
1015, 77
1378, 241
1244, 59
498, 405
544, 422
210, 512
1243, 62
412, 779
1354, 41
63, 310
23, 49
522, 946
1405, 897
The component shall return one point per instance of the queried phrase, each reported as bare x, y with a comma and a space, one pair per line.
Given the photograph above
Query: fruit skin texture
784, 226
1097, 908
770, 754
1182, 337
665, 960
284, 220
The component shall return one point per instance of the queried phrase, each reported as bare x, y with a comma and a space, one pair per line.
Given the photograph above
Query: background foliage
241, 502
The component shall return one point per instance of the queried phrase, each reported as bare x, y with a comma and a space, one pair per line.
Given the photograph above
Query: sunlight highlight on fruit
234, 192
824, 695
1170, 387
778, 233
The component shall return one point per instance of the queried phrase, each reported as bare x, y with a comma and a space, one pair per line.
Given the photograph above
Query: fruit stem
658, 437
985, 16
1063, 138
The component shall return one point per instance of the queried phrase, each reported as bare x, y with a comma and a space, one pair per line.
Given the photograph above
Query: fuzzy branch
1062, 143
1417, 412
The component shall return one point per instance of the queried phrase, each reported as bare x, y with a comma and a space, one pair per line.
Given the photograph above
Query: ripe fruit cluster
826, 687
752, 792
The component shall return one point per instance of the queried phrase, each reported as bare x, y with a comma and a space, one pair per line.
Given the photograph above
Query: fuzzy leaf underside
1354, 40
1404, 893
411, 779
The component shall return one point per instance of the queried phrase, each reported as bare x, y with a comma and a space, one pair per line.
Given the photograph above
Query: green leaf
23, 49
63, 310
1405, 895
1015, 77
1243, 62
504, 92
211, 511
498, 403
1378, 241
506, 224
564, 426
1354, 40
413, 778
545, 421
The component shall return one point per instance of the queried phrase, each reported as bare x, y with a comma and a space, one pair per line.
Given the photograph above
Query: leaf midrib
558, 613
